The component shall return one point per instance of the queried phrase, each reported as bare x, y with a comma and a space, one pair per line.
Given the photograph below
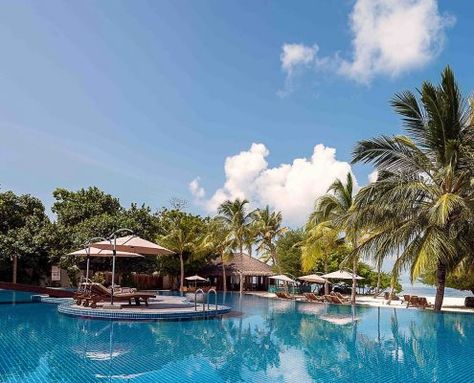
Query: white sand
449, 304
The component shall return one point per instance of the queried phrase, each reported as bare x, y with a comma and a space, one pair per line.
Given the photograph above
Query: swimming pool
272, 341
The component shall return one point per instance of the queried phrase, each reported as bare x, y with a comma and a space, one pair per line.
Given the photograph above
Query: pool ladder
201, 291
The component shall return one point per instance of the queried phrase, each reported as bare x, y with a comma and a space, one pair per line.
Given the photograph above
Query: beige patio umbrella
95, 252
135, 244
283, 278
130, 243
313, 278
341, 274
196, 278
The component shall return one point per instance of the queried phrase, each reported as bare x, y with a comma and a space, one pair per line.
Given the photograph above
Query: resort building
253, 272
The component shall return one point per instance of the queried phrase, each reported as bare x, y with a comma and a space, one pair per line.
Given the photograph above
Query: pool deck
449, 304
161, 308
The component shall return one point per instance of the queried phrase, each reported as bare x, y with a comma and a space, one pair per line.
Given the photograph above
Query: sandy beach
450, 304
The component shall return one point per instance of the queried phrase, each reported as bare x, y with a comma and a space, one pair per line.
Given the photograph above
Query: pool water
270, 341
9, 297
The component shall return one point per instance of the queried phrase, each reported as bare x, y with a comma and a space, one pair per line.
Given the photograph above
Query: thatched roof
239, 264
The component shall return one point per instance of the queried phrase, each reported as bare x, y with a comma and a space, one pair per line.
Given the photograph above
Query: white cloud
195, 189
373, 176
389, 37
291, 188
297, 55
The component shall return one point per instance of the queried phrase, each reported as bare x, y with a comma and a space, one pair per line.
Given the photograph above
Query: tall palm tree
336, 208
268, 228
217, 241
422, 201
183, 236
235, 216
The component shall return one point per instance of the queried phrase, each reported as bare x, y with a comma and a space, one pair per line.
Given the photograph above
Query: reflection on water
272, 341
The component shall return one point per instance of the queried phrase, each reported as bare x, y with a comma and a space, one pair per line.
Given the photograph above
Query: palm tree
321, 242
268, 229
218, 242
235, 216
184, 235
336, 208
422, 202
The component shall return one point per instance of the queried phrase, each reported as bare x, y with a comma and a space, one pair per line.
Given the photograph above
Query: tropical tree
269, 228
235, 216
288, 251
321, 243
422, 201
217, 241
24, 228
182, 233
336, 210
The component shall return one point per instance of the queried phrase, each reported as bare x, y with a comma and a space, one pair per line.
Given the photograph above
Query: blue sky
140, 98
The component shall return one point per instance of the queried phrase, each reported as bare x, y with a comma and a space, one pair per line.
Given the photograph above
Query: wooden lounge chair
340, 296
312, 297
283, 295
412, 301
99, 293
423, 303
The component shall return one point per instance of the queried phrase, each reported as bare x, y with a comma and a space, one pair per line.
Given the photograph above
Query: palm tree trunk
354, 281
15, 268
379, 277
241, 283
440, 285
224, 282
181, 280
326, 284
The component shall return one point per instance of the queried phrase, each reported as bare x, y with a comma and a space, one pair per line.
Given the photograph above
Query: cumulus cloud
291, 188
389, 37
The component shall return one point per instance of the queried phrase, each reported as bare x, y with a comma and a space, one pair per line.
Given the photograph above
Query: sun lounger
312, 297
422, 302
340, 296
283, 295
99, 293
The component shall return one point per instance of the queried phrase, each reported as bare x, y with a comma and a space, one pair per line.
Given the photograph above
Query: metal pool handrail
215, 297
195, 299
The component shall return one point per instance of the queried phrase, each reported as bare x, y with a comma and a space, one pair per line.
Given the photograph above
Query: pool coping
69, 308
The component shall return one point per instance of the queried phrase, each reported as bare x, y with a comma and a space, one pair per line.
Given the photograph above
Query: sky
204, 101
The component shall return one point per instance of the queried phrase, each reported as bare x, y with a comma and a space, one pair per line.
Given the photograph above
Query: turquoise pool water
272, 341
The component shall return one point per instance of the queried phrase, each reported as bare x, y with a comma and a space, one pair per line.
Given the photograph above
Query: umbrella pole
114, 253
87, 269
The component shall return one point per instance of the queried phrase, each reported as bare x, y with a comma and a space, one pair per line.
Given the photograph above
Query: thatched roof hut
239, 264
254, 273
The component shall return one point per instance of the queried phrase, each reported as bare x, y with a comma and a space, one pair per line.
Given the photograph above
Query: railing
215, 298
199, 291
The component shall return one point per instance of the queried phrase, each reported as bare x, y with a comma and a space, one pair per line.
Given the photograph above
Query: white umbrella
313, 278
341, 274
283, 278
133, 244
95, 252
195, 278
130, 243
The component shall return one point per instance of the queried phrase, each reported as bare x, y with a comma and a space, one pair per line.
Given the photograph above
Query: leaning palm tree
217, 241
269, 228
336, 208
422, 201
235, 216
